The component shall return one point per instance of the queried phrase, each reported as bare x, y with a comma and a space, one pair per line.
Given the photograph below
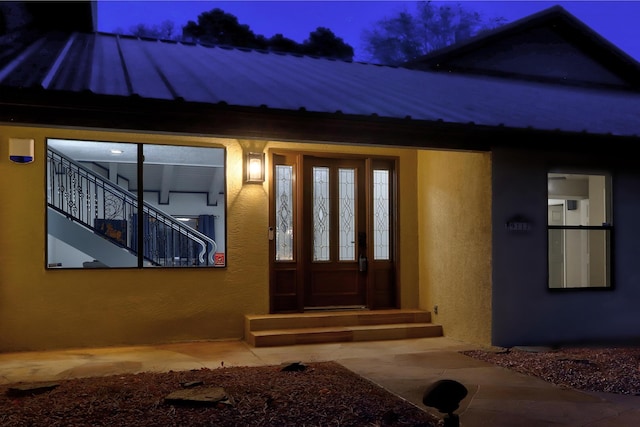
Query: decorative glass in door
334, 233
284, 212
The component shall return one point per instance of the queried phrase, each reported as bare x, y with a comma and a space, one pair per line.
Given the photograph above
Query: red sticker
218, 258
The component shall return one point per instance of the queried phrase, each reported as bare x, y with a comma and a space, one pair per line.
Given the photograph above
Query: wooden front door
334, 232
331, 233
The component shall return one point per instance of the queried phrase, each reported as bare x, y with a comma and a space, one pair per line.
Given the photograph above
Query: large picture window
113, 205
579, 230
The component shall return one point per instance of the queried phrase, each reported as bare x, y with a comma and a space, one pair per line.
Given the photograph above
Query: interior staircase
271, 330
98, 217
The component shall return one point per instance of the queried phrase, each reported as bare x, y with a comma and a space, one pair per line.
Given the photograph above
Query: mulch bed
323, 394
601, 369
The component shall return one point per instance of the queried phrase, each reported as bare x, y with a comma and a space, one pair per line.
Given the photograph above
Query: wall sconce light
254, 168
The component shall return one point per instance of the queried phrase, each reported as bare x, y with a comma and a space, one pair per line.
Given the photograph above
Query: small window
95, 219
579, 230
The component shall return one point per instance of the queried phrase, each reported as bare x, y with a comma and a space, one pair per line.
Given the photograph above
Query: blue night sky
616, 21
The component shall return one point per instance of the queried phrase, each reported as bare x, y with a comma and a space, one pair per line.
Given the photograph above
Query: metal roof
557, 21
123, 66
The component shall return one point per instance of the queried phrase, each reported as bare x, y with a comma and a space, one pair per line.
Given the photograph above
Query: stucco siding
42, 308
526, 312
455, 241
58, 308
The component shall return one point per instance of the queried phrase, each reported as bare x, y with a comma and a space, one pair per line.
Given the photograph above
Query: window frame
606, 227
141, 194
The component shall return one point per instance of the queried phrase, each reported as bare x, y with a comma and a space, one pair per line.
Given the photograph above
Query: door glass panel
381, 218
284, 213
347, 231
321, 216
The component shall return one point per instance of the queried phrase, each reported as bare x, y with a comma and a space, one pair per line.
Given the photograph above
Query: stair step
328, 319
345, 326
343, 334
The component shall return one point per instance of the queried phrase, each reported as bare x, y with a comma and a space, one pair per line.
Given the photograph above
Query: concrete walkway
497, 396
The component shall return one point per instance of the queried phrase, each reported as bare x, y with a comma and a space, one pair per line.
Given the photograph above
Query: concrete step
338, 326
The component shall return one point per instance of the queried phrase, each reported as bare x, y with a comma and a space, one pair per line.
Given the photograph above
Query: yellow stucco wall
454, 206
47, 309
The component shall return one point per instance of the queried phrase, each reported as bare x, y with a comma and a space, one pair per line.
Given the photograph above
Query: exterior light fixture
21, 150
254, 168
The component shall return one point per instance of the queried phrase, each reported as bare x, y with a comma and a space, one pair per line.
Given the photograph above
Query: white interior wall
61, 253
575, 248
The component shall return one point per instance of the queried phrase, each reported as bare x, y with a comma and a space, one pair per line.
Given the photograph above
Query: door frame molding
288, 295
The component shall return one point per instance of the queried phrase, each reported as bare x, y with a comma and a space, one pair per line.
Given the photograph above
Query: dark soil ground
323, 394
602, 369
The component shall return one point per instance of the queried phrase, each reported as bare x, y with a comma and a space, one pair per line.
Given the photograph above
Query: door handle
362, 264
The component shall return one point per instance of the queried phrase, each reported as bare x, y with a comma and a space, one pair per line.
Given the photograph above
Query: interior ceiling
166, 168
87, 151
561, 176
567, 186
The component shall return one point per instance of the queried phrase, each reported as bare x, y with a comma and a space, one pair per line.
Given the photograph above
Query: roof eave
38, 107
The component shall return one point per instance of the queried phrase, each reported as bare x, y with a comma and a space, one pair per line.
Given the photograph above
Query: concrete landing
497, 396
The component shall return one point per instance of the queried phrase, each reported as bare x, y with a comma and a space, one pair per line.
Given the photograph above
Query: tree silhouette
322, 42
280, 43
219, 27
165, 30
407, 35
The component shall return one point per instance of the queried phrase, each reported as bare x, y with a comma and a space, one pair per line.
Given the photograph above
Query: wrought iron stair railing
112, 211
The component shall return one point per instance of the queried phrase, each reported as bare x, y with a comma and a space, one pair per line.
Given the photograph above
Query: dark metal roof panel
146, 80
236, 77
175, 64
71, 70
108, 73
124, 66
